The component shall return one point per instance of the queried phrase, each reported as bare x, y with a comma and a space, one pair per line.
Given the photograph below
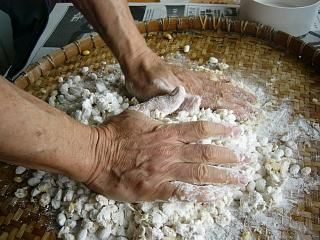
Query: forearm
113, 20
35, 135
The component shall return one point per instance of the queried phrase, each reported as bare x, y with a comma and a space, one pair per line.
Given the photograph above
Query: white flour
270, 142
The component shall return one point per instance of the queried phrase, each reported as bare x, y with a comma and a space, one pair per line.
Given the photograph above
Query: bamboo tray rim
303, 51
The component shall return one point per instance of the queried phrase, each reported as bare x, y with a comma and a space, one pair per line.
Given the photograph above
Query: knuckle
201, 173
156, 167
163, 131
218, 152
141, 185
160, 128
227, 154
202, 128
206, 153
164, 152
231, 157
178, 193
164, 192
152, 169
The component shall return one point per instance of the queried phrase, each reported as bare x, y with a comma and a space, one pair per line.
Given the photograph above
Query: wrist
141, 73
100, 154
78, 158
140, 61
135, 58
76, 152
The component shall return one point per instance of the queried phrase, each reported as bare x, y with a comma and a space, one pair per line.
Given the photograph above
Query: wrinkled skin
131, 157
137, 158
147, 75
152, 77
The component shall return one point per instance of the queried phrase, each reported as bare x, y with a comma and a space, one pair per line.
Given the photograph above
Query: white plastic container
292, 16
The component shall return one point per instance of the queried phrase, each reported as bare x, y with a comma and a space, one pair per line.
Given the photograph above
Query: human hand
147, 75
137, 158
150, 76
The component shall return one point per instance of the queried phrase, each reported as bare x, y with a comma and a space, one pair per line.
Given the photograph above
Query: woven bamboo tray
251, 49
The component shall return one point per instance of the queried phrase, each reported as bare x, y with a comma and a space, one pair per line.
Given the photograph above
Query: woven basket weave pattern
251, 50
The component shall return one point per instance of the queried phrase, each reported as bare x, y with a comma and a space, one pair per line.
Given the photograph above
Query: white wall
6, 45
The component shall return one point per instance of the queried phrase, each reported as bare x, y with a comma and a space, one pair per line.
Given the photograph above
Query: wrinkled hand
151, 76
137, 158
147, 75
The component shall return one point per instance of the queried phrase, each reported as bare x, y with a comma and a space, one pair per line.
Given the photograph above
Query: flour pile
92, 97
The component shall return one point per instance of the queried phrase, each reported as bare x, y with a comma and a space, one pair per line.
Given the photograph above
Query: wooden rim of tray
304, 51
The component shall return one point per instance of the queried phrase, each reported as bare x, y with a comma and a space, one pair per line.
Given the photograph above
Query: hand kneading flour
265, 203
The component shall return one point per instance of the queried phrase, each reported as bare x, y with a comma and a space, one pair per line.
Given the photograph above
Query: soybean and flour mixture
262, 207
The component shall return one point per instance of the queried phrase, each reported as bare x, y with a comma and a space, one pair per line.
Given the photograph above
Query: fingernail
235, 131
244, 158
243, 180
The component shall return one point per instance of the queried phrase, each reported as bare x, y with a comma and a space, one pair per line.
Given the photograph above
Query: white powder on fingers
270, 143
165, 105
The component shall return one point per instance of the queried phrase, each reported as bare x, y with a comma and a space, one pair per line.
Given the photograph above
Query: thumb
166, 104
